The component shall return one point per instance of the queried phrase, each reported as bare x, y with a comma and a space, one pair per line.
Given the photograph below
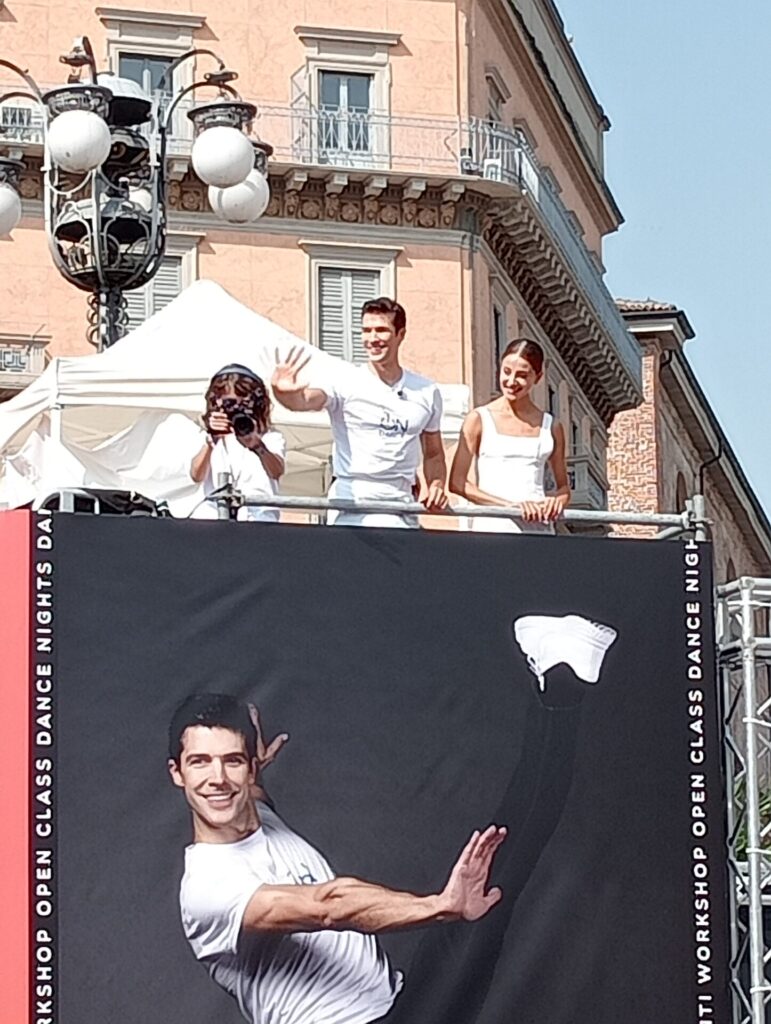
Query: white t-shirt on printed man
327, 977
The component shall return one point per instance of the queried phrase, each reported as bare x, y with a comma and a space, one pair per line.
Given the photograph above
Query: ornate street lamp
106, 176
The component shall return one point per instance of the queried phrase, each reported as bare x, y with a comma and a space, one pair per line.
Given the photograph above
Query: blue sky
687, 87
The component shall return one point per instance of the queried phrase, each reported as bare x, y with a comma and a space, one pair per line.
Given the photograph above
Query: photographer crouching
239, 441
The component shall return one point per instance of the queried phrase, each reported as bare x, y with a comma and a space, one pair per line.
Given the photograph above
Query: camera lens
242, 424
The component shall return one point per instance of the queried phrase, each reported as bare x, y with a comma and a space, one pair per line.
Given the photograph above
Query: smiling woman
512, 442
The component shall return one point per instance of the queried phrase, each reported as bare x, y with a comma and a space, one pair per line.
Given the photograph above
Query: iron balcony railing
476, 148
369, 141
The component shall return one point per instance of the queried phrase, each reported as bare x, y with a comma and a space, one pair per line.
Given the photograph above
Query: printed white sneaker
548, 640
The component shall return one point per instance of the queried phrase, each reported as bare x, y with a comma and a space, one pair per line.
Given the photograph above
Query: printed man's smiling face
216, 773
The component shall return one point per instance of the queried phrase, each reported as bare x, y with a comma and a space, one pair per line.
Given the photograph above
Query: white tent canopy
126, 418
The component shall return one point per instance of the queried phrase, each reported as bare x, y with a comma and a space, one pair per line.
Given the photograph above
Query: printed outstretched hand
284, 380
266, 752
466, 894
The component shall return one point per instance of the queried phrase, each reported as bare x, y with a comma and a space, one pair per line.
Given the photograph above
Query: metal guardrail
673, 523
228, 498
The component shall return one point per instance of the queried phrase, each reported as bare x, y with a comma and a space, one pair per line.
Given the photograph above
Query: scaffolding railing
692, 520
744, 660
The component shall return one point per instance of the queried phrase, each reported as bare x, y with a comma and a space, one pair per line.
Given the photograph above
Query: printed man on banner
262, 908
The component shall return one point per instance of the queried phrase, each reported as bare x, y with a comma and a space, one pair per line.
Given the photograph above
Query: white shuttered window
341, 294
165, 286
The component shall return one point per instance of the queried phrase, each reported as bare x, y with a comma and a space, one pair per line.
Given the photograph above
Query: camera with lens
240, 416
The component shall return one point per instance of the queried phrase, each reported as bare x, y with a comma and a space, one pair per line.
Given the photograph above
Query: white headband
548, 640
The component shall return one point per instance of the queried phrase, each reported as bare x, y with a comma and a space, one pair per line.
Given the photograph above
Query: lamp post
106, 176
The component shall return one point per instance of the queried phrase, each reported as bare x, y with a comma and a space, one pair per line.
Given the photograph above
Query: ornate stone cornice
329, 198
539, 271
511, 227
299, 198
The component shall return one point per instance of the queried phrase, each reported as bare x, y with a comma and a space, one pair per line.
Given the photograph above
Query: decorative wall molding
316, 203
167, 19
304, 198
313, 35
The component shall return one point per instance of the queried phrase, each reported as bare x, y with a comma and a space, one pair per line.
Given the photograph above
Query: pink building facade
446, 152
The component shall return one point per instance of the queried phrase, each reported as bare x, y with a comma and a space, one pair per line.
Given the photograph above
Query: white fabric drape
124, 418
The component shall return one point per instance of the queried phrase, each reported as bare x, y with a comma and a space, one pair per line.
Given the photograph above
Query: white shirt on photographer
248, 475
327, 977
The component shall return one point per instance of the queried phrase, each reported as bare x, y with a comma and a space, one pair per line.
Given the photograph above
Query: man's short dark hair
390, 307
214, 710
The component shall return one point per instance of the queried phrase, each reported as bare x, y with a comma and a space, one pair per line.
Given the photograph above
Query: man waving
384, 418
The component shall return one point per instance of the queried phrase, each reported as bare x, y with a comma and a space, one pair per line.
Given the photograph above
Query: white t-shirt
249, 477
324, 977
376, 427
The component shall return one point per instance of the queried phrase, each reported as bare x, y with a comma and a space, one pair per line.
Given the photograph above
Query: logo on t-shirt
307, 877
392, 426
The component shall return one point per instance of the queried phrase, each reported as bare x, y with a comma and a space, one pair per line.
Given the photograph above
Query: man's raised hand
466, 895
284, 380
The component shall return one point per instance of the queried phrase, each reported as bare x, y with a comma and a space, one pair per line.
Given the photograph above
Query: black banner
432, 684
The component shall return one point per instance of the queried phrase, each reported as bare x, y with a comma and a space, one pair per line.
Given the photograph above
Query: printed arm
349, 904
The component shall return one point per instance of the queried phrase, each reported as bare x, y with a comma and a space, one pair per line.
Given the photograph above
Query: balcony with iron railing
22, 358
473, 150
588, 483
482, 155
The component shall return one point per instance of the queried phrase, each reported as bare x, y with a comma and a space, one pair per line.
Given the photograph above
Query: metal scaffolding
692, 520
744, 660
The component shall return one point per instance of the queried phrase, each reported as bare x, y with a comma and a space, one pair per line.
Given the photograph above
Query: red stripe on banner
15, 564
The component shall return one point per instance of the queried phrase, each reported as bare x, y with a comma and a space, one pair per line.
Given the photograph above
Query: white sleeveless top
512, 468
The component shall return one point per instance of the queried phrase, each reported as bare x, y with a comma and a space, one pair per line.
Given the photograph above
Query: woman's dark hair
249, 388
215, 711
527, 349
389, 307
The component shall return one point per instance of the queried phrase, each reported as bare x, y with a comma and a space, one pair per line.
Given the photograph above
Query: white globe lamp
142, 197
222, 156
78, 141
10, 209
241, 203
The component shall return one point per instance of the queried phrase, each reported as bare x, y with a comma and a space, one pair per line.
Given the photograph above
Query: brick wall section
649, 447
633, 458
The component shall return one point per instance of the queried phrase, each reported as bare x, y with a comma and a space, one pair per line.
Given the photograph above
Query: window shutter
365, 285
342, 293
165, 286
167, 283
332, 313
136, 307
